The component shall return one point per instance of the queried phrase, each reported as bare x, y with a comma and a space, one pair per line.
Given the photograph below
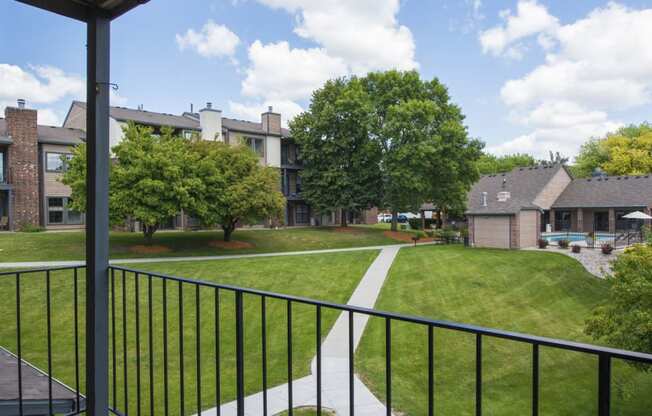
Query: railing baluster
137, 300
18, 348
388, 366
49, 323
535, 379
198, 347
218, 380
318, 341
351, 367
124, 341
604, 384
289, 337
182, 392
113, 352
478, 374
165, 348
239, 353
151, 344
263, 338
431, 371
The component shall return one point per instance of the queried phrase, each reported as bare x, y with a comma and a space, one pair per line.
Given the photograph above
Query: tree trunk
344, 220
148, 232
423, 220
443, 218
394, 220
228, 231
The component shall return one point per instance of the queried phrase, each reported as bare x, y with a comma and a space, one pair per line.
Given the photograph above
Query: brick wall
515, 230
471, 228
271, 122
23, 166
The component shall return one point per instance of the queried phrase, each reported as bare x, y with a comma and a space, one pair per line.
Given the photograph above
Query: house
512, 209
32, 158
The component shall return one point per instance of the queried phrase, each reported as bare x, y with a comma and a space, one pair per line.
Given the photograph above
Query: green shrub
403, 227
415, 223
625, 320
27, 227
647, 234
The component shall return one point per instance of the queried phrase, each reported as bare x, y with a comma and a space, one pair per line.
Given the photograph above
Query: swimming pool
570, 236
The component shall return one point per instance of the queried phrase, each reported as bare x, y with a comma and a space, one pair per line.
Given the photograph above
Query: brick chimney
271, 121
22, 158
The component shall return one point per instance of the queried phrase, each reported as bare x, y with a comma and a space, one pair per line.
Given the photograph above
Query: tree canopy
154, 177
628, 151
341, 161
389, 139
234, 189
625, 321
489, 164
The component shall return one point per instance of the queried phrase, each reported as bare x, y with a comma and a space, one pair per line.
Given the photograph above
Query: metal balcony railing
149, 354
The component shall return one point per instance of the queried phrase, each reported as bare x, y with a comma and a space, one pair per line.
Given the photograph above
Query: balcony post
97, 213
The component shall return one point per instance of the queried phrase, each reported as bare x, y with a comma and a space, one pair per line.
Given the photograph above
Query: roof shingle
608, 191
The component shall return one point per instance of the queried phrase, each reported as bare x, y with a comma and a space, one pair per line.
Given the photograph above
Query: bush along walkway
335, 360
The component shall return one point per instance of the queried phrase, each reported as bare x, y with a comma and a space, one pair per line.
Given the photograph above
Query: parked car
384, 217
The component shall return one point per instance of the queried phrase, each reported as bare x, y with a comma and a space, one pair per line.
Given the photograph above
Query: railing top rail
41, 270
515, 336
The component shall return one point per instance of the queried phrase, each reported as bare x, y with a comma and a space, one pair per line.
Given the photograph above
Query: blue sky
530, 76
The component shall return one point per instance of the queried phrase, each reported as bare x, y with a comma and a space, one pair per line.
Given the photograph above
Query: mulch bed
405, 237
143, 249
230, 245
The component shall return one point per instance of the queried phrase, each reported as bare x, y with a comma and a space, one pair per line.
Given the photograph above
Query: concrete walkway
335, 361
66, 263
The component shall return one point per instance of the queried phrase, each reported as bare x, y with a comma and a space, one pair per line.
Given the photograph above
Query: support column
551, 218
580, 220
612, 220
97, 214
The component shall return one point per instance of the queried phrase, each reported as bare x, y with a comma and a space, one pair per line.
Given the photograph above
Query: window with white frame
257, 145
57, 162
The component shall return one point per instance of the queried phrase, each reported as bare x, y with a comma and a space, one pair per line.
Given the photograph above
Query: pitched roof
188, 120
607, 191
523, 185
50, 134
149, 118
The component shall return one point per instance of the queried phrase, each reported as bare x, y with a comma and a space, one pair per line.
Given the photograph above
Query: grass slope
538, 293
328, 277
70, 245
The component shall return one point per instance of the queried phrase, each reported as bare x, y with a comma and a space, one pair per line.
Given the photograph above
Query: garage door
491, 231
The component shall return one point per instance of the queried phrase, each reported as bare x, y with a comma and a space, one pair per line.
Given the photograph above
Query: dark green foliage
489, 164
625, 319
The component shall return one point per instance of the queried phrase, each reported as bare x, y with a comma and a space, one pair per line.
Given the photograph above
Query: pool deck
593, 260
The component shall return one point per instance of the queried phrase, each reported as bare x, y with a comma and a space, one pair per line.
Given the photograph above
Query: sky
530, 75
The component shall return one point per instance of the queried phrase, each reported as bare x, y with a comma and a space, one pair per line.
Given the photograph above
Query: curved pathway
335, 361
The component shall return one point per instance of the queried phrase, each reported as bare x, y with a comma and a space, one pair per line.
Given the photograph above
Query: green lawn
70, 245
329, 277
539, 293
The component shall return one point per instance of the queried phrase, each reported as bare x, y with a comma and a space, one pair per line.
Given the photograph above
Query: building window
60, 213
562, 220
257, 145
3, 178
302, 214
57, 162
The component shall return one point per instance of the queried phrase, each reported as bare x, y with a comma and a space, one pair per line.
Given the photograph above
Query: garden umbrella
637, 215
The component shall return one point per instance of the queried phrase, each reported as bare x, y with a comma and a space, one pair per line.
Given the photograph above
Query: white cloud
278, 72
594, 67
212, 41
531, 18
41, 84
364, 33
352, 37
42, 87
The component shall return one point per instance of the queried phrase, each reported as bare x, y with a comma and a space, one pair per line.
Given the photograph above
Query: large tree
490, 164
424, 143
233, 188
341, 161
150, 179
628, 151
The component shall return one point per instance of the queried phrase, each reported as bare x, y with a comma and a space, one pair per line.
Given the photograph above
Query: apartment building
32, 159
